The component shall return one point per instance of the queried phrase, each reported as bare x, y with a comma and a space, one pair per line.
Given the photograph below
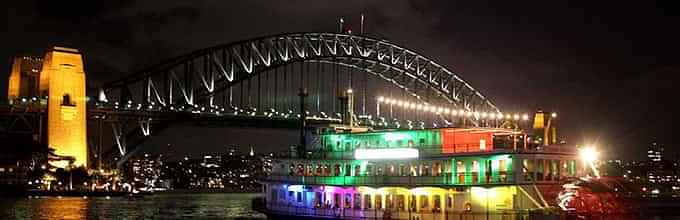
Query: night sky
606, 67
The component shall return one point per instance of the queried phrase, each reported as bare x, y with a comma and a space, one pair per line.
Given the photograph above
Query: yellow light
516, 117
484, 114
381, 99
447, 111
476, 114
525, 117
468, 114
412, 105
350, 91
588, 154
554, 115
499, 115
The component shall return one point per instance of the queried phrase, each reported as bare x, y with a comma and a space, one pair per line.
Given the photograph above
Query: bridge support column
62, 79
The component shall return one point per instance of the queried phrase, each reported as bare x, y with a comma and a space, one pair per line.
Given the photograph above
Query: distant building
232, 171
146, 170
655, 153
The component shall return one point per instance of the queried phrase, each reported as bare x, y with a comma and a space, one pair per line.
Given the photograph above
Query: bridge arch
195, 78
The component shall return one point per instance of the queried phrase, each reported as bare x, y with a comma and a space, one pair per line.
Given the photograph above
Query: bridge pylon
57, 80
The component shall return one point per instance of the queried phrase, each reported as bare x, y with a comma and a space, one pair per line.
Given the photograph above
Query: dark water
159, 206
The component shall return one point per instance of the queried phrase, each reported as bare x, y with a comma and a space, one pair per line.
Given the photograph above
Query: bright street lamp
589, 155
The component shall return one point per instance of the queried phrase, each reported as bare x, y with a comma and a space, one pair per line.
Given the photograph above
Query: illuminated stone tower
62, 79
23, 80
544, 127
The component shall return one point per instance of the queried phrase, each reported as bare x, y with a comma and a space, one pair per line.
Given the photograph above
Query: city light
443, 110
393, 153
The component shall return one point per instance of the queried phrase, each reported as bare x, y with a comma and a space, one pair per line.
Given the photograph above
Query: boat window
348, 201
275, 195
299, 196
367, 202
423, 202
378, 202
422, 142
318, 199
369, 170
436, 202
310, 170
357, 201
388, 201
291, 195
337, 170
412, 203
449, 201
327, 170
348, 170
400, 203
336, 200
357, 170
410, 143
300, 170
283, 195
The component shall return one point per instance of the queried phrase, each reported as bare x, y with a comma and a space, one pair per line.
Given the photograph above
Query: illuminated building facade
655, 153
57, 83
428, 174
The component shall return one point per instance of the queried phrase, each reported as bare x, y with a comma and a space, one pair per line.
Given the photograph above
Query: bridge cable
318, 85
259, 80
276, 89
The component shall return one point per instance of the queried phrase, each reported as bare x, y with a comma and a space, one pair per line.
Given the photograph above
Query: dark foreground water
159, 206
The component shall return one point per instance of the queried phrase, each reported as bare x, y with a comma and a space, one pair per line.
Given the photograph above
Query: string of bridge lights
452, 112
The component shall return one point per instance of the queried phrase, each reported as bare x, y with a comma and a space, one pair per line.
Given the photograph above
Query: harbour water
158, 206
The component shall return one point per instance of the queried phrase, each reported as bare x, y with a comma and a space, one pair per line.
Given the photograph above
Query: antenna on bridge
362, 24
342, 24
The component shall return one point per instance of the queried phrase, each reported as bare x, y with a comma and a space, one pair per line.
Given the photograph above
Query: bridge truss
261, 79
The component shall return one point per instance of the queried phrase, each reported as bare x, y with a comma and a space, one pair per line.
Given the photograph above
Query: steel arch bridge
202, 84
204, 73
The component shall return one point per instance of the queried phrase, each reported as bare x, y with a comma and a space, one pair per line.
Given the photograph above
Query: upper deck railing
436, 151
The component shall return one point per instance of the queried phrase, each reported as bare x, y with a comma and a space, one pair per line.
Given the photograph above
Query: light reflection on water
165, 206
